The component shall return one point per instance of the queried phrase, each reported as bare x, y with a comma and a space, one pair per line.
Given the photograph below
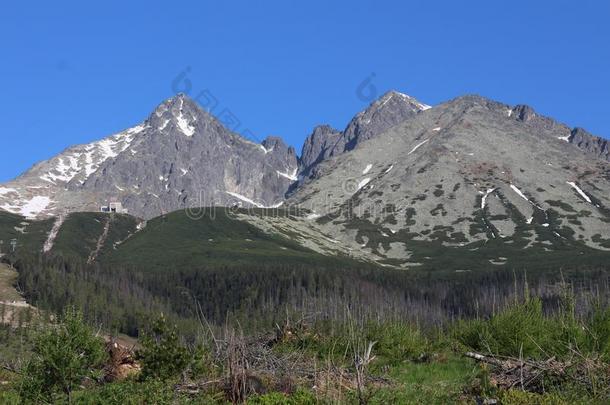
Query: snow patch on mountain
485, 195
520, 193
164, 125
420, 106
265, 150
5, 190
417, 146
29, 208
290, 176
83, 161
35, 206
582, 193
184, 125
363, 183
245, 199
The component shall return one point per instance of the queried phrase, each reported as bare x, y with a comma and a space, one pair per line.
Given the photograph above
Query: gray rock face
281, 155
188, 158
318, 147
386, 112
390, 110
593, 145
181, 156
524, 113
469, 171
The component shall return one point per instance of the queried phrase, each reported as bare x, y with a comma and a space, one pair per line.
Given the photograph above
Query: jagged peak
277, 145
406, 98
322, 130
390, 109
400, 97
523, 112
179, 111
273, 139
180, 100
272, 142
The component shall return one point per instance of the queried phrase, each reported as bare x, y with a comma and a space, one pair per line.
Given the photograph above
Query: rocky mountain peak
277, 144
468, 171
181, 152
281, 156
591, 144
389, 110
537, 124
179, 114
397, 96
318, 146
524, 113
321, 131
179, 156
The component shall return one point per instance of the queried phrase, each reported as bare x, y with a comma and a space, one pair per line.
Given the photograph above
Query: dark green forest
217, 267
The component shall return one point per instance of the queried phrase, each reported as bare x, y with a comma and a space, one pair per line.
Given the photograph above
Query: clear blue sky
72, 72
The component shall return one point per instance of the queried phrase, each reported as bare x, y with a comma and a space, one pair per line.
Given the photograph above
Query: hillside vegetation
260, 319
525, 357
177, 241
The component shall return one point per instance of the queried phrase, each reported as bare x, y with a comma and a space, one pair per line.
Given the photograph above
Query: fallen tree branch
10, 369
510, 372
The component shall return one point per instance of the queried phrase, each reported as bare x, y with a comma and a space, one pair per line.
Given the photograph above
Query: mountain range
402, 182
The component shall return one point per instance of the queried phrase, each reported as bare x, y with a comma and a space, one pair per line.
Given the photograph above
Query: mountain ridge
181, 148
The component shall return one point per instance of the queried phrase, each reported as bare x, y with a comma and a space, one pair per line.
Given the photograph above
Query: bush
520, 330
397, 342
162, 355
523, 329
62, 357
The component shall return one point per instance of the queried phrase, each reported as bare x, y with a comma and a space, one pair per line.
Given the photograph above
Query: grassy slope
80, 233
33, 237
175, 240
170, 241
8, 222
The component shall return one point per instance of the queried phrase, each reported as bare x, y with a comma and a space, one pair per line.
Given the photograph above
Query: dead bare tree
361, 362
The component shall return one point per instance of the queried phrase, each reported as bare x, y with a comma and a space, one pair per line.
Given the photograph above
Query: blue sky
73, 72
